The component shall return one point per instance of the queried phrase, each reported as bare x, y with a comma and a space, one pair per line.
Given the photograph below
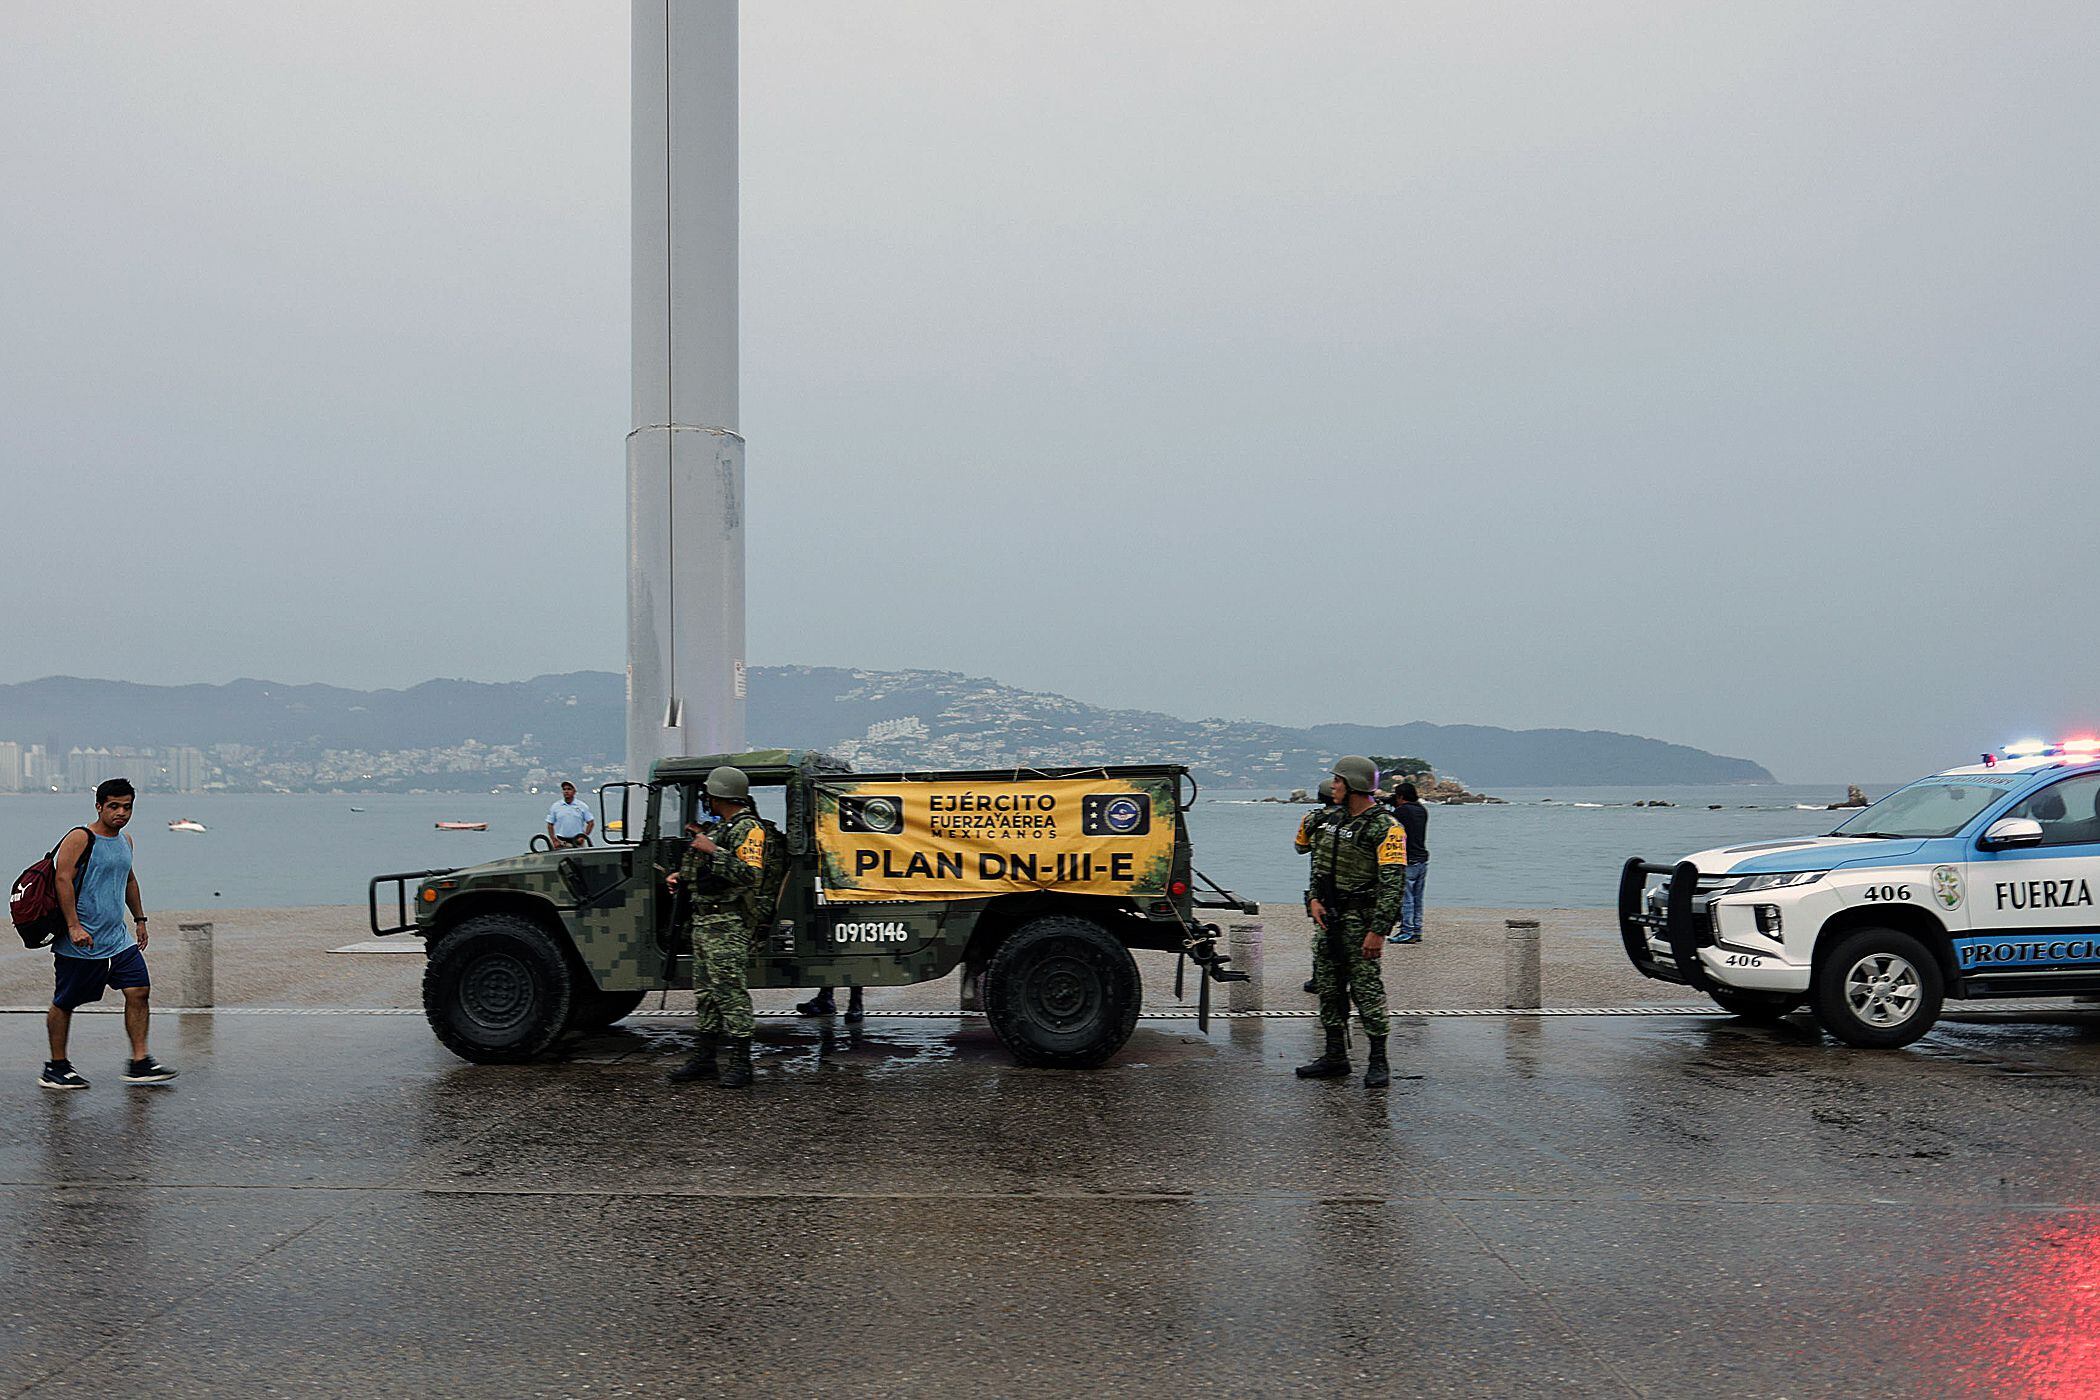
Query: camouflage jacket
727, 881
1320, 816
1361, 861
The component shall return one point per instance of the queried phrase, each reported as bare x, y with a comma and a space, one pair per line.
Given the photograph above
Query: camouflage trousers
1361, 980
721, 955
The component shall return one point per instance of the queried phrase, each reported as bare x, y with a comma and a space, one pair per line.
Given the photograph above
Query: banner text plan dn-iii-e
1036, 884
957, 837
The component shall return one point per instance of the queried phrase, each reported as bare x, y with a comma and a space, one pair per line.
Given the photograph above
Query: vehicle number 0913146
1888, 892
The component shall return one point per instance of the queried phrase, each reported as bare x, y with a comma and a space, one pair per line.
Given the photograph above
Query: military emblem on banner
875, 816
1115, 814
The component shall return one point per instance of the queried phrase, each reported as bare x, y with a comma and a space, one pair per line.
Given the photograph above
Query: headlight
1782, 880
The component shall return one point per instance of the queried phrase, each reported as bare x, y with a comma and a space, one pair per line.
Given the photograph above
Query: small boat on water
616, 825
357, 809
462, 826
187, 824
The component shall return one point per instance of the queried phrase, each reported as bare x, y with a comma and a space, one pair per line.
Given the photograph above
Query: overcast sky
1719, 373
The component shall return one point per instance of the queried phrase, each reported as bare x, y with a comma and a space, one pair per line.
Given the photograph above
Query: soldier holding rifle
1359, 874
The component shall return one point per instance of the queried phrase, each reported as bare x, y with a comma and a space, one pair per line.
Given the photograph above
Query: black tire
498, 990
595, 1010
1062, 993
1879, 988
1758, 1008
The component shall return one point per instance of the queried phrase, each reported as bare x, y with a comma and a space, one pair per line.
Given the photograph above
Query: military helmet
729, 784
1356, 773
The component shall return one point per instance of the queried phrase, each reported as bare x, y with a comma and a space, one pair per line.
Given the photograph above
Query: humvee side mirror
2007, 832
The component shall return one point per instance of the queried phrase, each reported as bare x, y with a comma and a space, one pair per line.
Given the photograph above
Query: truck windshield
1922, 810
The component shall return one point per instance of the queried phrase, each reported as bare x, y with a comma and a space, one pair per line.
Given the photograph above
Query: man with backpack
732, 878
97, 950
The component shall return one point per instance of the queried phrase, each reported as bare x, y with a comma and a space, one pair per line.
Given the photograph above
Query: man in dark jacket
1414, 820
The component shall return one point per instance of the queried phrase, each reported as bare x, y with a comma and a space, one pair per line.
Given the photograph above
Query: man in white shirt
569, 822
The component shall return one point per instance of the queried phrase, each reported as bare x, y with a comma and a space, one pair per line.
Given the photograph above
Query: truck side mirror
2008, 832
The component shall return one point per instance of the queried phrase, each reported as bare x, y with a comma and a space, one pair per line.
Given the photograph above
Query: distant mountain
874, 719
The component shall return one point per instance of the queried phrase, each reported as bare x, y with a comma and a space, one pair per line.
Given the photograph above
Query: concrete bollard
1243, 942
191, 981
1520, 965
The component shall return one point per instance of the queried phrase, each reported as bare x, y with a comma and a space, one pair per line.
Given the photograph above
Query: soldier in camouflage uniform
1359, 872
721, 875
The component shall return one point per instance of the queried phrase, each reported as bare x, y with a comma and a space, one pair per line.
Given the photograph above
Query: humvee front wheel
1060, 992
497, 989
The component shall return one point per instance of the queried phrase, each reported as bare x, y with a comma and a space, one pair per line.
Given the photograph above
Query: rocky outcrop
1447, 792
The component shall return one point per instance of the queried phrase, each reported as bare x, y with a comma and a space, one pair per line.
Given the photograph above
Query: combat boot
1379, 1073
854, 1010
736, 1065
702, 1064
1331, 1065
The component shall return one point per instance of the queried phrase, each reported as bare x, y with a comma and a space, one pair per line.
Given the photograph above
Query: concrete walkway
283, 957
1644, 1205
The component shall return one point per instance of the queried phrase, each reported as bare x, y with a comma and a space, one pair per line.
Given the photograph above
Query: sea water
1543, 848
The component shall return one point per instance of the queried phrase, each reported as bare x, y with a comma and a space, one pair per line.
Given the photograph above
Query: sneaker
1405, 938
148, 1071
60, 1074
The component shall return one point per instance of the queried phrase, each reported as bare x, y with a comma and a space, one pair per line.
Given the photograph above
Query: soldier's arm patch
1393, 850
752, 851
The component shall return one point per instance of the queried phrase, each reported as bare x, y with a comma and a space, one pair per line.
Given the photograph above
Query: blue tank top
99, 896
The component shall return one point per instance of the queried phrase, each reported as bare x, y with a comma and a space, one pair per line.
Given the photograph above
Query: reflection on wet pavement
1661, 1206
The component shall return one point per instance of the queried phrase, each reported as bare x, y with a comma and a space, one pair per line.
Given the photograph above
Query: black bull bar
404, 916
1678, 924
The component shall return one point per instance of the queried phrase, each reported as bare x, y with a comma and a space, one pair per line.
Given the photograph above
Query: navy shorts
81, 980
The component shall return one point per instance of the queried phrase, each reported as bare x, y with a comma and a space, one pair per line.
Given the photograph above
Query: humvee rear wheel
595, 1010
497, 989
1061, 992
1758, 1008
1878, 988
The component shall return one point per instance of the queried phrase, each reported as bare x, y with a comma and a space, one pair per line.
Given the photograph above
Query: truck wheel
1878, 988
497, 989
595, 1010
1758, 1008
1060, 992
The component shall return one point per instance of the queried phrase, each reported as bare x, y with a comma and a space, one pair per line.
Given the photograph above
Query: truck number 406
1888, 892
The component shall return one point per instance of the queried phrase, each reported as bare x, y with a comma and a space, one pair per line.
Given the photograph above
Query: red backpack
34, 902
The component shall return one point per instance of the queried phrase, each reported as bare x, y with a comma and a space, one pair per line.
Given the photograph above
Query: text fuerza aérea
1027, 814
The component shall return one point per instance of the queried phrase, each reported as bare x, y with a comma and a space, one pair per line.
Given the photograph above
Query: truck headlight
1778, 881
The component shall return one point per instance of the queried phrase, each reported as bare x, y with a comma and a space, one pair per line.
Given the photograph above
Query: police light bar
2084, 747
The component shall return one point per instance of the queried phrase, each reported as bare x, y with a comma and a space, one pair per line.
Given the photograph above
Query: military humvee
1038, 883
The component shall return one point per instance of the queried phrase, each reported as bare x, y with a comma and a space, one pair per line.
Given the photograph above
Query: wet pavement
1592, 1206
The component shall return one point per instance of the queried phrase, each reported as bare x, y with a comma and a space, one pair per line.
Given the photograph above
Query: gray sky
1719, 373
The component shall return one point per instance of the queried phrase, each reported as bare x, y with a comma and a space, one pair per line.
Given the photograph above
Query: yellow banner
962, 839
